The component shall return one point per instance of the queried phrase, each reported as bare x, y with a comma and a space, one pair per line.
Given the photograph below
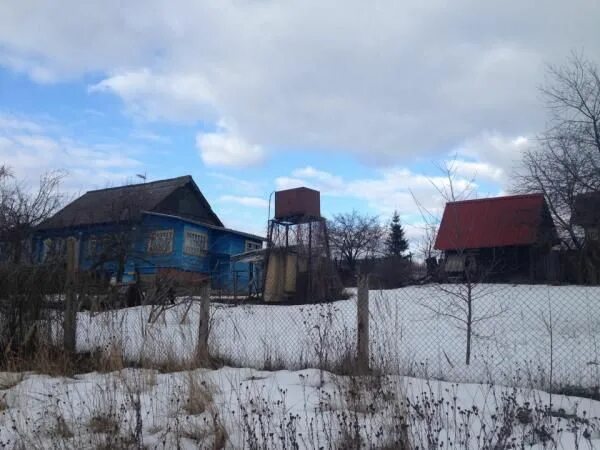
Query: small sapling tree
458, 300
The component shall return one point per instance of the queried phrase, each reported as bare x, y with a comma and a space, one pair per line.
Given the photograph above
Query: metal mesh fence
527, 334
285, 336
150, 335
520, 334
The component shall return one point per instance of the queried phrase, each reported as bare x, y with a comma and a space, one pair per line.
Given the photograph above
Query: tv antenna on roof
142, 176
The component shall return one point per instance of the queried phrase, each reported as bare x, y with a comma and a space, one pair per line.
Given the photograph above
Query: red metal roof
491, 222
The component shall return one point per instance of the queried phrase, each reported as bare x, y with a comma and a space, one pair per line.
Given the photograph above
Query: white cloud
252, 202
494, 156
29, 152
174, 97
415, 78
11, 122
224, 148
477, 170
327, 180
145, 135
236, 184
282, 183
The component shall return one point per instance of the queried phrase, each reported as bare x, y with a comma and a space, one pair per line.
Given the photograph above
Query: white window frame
195, 242
251, 246
92, 247
46, 249
160, 242
54, 248
97, 245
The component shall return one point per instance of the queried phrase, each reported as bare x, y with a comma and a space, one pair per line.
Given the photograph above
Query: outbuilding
586, 214
505, 238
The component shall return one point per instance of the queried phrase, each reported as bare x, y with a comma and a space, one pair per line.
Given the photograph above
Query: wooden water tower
298, 259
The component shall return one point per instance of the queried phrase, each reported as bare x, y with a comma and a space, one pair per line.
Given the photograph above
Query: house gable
586, 210
188, 202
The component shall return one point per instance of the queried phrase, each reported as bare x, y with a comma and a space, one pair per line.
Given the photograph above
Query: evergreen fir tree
396, 244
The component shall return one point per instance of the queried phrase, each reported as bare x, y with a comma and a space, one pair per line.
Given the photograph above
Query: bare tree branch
354, 236
23, 208
566, 159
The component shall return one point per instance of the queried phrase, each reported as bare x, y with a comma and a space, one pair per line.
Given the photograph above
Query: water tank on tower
298, 260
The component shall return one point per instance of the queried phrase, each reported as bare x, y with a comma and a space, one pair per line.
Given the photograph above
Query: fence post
70, 313
362, 309
203, 330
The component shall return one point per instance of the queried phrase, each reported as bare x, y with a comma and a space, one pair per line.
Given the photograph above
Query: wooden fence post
203, 330
70, 313
362, 309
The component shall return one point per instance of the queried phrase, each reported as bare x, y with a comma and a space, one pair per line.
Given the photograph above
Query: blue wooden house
141, 231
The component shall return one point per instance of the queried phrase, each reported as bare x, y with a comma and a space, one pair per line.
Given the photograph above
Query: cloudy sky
358, 99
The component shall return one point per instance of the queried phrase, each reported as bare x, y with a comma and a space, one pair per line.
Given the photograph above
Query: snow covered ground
522, 334
244, 408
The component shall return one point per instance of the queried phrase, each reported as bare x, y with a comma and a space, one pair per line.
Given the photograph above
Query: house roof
119, 204
494, 222
586, 209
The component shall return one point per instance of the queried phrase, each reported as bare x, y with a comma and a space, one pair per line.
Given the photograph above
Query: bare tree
118, 245
430, 224
566, 160
449, 189
458, 301
354, 237
22, 208
426, 244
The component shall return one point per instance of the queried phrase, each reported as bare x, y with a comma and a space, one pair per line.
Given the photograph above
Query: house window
195, 243
99, 245
251, 245
592, 234
160, 242
92, 247
54, 248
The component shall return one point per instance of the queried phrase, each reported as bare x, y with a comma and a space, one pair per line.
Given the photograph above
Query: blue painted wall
216, 262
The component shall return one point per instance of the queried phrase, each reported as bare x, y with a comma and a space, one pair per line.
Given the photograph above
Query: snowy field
521, 334
243, 408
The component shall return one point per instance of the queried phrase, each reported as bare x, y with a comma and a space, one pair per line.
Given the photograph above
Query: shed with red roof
503, 237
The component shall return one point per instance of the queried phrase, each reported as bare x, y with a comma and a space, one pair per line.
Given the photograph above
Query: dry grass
199, 397
112, 358
61, 429
212, 432
104, 423
54, 361
221, 436
9, 380
368, 411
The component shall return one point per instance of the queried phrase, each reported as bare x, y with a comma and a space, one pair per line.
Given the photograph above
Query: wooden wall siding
185, 202
221, 245
228, 275
177, 259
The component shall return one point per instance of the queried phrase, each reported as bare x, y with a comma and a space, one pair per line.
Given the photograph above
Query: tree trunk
202, 351
362, 309
17, 250
469, 323
120, 268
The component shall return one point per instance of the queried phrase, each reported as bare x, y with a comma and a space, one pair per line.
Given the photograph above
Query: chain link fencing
545, 336
540, 335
